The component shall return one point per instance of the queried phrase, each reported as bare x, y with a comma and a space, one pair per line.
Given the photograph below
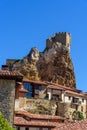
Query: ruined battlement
61, 37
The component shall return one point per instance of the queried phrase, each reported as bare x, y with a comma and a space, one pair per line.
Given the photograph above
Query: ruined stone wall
40, 106
66, 110
7, 97
63, 38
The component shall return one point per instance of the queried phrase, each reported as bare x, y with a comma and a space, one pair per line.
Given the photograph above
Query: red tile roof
55, 87
61, 86
67, 90
10, 73
21, 88
34, 81
39, 116
78, 125
20, 121
75, 93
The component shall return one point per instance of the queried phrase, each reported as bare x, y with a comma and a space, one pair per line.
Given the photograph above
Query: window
55, 97
75, 100
76, 108
69, 97
28, 86
82, 100
26, 128
39, 88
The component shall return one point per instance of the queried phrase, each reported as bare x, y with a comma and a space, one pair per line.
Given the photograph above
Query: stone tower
61, 37
8, 81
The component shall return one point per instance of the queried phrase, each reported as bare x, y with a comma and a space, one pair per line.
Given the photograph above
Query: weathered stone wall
67, 109
22, 100
40, 106
7, 98
63, 38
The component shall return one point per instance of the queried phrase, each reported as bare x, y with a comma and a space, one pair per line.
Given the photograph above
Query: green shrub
77, 115
4, 125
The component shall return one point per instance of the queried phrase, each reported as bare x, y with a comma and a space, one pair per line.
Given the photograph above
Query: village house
36, 105
8, 81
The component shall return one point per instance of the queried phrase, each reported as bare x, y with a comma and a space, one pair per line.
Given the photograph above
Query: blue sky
28, 23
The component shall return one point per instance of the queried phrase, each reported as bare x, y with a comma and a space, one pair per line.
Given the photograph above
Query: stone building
47, 98
8, 81
51, 99
70, 100
29, 104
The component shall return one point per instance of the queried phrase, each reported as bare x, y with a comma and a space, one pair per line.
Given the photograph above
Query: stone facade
57, 101
36, 106
7, 98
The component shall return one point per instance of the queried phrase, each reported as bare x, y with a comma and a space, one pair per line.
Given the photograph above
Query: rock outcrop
54, 64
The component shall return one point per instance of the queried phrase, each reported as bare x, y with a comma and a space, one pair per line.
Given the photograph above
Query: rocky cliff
54, 64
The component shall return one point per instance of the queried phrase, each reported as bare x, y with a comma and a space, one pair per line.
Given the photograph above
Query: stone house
51, 99
36, 105
69, 100
8, 81
24, 120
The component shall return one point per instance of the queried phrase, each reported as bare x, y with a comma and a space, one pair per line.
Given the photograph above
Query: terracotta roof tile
10, 73
20, 121
34, 81
60, 86
22, 89
39, 116
78, 125
67, 90
75, 93
55, 87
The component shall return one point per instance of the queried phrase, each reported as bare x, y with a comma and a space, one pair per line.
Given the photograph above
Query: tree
77, 115
4, 125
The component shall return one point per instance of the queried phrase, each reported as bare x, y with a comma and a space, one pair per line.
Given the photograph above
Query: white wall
67, 98
16, 104
62, 96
